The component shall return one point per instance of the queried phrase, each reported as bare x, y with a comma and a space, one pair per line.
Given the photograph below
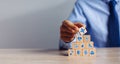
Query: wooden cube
89, 45
79, 38
71, 52
85, 52
75, 45
86, 38
82, 45
92, 52
79, 52
82, 30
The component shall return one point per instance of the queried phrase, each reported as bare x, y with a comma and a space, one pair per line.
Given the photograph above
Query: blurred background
32, 23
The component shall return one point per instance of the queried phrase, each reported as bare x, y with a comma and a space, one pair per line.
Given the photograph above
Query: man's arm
67, 32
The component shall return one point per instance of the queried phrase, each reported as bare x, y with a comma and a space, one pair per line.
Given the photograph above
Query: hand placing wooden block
86, 38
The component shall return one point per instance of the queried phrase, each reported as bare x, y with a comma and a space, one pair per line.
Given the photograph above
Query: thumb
79, 25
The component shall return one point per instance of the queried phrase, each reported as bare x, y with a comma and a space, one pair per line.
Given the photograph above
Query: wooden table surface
42, 56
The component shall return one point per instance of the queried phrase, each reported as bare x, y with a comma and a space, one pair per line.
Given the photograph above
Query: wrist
71, 40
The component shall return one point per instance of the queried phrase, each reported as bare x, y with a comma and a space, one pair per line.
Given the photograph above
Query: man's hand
68, 30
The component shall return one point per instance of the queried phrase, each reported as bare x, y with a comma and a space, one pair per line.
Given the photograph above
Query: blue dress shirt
94, 14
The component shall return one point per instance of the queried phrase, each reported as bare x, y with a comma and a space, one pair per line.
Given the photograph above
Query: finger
64, 29
79, 25
67, 34
67, 39
68, 30
70, 25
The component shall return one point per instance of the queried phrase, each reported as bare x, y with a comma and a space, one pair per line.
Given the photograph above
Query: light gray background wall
32, 23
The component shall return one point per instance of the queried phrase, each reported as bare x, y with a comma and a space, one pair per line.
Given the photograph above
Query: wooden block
82, 45
79, 52
71, 52
85, 52
82, 30
75, 45
79, 38
92, 52
89, 45
86, 38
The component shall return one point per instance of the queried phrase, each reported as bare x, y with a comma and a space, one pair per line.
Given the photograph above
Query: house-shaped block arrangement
83, 45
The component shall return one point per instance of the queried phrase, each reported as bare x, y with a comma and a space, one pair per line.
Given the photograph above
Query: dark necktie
113, 26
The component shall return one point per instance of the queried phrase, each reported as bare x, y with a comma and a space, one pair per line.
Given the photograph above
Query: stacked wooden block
83, 45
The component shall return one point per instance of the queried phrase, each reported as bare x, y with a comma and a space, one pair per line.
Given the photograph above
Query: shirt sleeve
65, 46
77, 15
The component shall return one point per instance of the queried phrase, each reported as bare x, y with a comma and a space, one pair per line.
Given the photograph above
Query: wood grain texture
41, 56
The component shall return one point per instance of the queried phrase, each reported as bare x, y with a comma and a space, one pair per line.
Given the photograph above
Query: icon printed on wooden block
85, 52
86, 38
92, 52
82, 45
75, 45
71, 52
79, 38
89, 45
82, 31
79, 52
